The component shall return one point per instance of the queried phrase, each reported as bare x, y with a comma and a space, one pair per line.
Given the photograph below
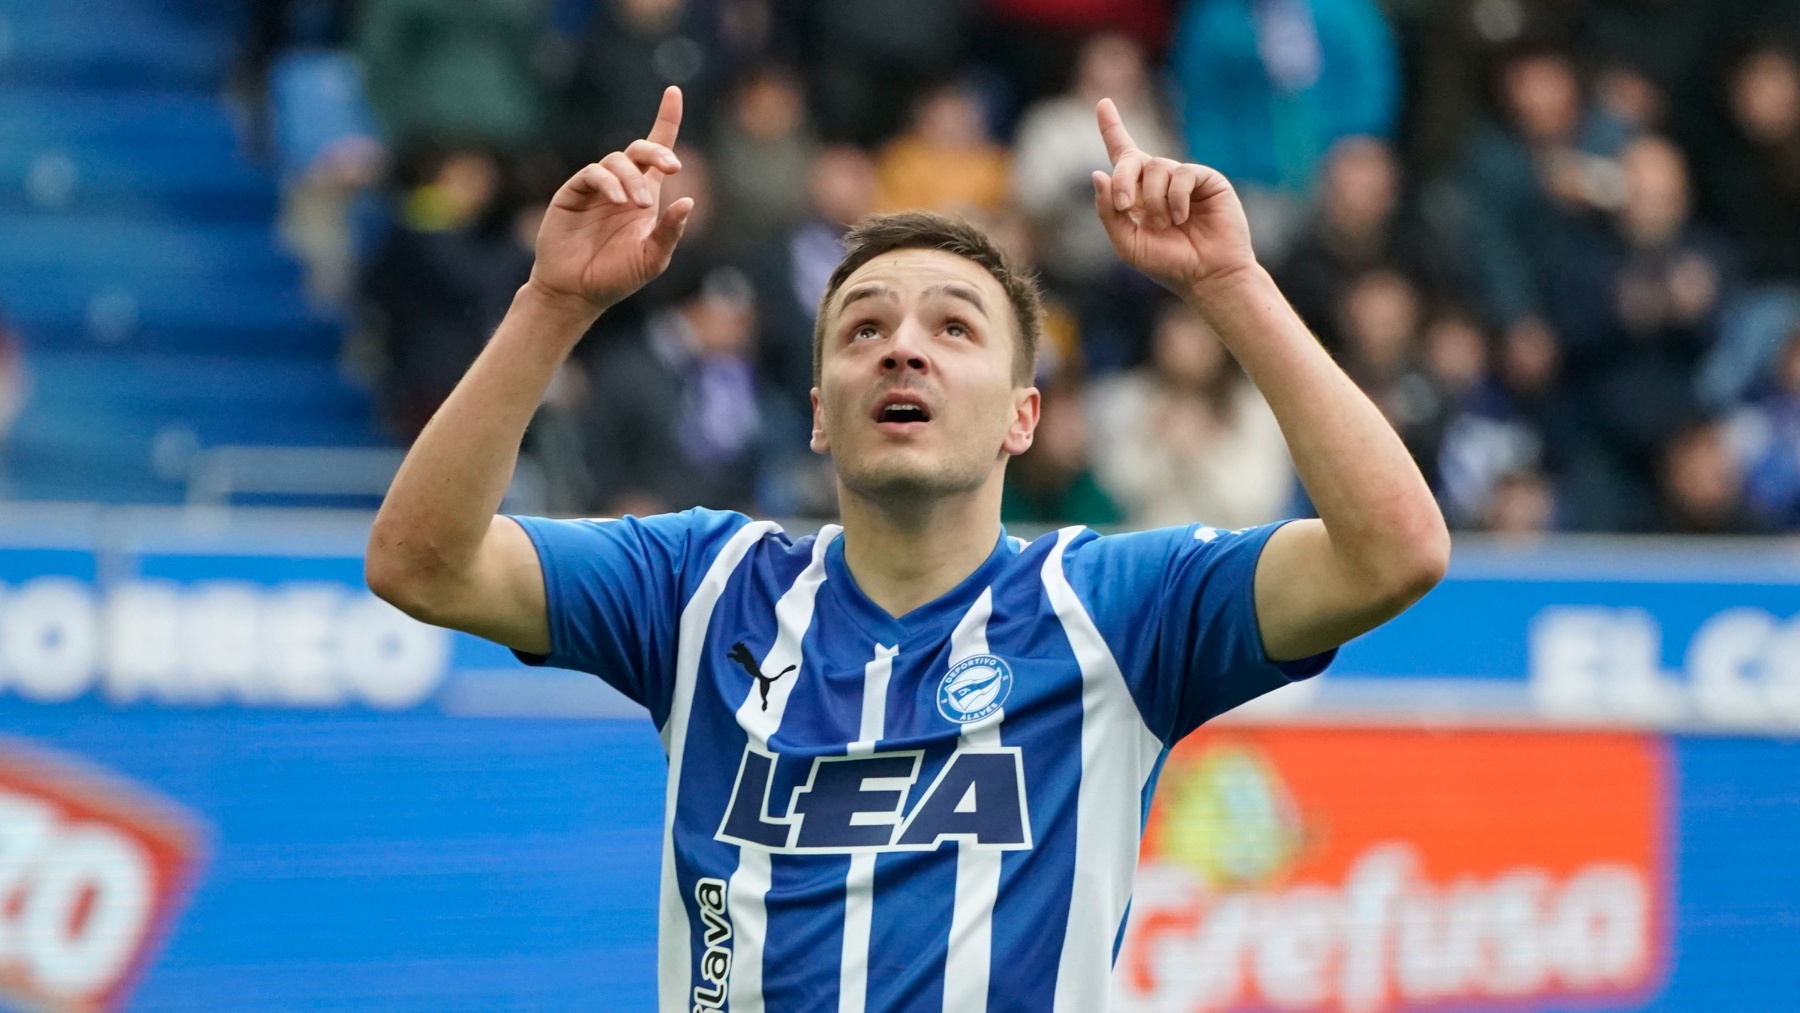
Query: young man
909, 757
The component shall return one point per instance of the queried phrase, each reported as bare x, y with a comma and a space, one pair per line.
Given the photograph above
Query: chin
908, 479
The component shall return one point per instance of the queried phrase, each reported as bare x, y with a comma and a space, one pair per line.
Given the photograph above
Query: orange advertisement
1369, 870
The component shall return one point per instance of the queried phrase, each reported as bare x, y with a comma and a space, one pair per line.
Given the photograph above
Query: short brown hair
875, 235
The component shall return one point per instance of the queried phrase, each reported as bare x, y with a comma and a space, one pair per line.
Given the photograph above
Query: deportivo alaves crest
974, 688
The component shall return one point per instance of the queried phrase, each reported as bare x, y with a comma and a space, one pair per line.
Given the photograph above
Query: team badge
974, 688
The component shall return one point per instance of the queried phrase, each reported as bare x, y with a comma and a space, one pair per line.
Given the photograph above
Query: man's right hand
602, 238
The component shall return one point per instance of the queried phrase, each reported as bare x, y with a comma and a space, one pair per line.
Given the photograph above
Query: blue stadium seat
116, 43
138, 257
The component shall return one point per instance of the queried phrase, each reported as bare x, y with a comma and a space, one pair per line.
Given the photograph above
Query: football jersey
936, 812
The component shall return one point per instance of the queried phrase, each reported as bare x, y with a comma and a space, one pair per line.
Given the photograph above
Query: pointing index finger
1112, 131
668, 118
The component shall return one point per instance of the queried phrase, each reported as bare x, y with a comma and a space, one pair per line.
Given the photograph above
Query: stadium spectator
440, 282
1054, 481
1530, 180
1188, 435
1454, 359
1033, 42
868, 60
1380, 316
947, 160
1452, 48
1470, 460
1523, 506
631, 51
678, 413
1703, 485
841, 186
1631, 98
1765, 438
1753, 189
763, 151
1455, 352
1519, 419
1362, 223
1111, 306
331, 156
1267, 86
1057, 150
1649, 52
1755, 175
461, 73
1638, 308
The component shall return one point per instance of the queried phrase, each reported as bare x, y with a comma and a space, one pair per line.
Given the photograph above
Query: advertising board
230, 779
1365, 870
92, 870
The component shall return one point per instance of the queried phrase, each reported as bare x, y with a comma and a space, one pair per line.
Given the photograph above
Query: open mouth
901, 409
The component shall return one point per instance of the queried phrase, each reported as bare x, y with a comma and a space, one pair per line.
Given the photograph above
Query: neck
904, 555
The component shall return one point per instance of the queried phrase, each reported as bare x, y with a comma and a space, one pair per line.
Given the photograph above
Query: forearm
449, 487
1380, 515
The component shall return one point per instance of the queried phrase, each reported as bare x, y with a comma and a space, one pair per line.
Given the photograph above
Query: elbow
395, 579
383, 578
1401, 561
1420, 558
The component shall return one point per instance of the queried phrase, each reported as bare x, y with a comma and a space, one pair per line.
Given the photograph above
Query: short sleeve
1177, 607
614, 591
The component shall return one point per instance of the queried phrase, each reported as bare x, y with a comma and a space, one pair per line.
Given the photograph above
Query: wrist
537, 298
1252, 281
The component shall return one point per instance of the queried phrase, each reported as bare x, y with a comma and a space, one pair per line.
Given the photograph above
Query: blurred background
247, 248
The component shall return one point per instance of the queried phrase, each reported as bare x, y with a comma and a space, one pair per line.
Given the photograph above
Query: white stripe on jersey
874, 703
1113, 776
969, 962
859, 883
745, 896
674, 971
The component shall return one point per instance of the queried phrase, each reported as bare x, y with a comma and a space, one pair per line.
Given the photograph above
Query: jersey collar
945, 608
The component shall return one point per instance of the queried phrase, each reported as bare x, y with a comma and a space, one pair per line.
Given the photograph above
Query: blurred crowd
1556, 241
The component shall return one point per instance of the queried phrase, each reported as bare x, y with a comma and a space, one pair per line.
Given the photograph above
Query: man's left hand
1178, 222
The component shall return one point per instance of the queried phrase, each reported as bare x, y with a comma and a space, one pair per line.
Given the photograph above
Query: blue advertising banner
1641, 631
412, 862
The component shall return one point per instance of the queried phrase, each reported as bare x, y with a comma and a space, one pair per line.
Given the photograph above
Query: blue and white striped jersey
870, 814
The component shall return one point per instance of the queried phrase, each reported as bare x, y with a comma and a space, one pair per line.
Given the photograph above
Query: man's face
916, 397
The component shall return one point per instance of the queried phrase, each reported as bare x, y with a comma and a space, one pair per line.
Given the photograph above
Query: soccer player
909, 756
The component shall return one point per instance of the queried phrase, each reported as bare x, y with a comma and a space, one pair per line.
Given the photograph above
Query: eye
956, 329
864, 332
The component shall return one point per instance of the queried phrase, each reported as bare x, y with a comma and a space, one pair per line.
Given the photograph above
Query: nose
907, 350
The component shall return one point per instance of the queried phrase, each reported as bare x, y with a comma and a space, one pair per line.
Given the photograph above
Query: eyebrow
956, 291
871, 290
876, 290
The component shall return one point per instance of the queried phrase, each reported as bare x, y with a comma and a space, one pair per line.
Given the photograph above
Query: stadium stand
157, 312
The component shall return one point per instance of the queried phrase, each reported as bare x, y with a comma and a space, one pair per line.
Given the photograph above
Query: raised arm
437, 551
1380, 542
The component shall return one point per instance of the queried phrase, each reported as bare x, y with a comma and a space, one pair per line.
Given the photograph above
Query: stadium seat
157, 312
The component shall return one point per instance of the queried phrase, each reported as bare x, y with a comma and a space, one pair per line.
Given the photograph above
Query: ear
1027, 402
820, 445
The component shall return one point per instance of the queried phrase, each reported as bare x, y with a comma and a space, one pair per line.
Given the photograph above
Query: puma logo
741, 655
